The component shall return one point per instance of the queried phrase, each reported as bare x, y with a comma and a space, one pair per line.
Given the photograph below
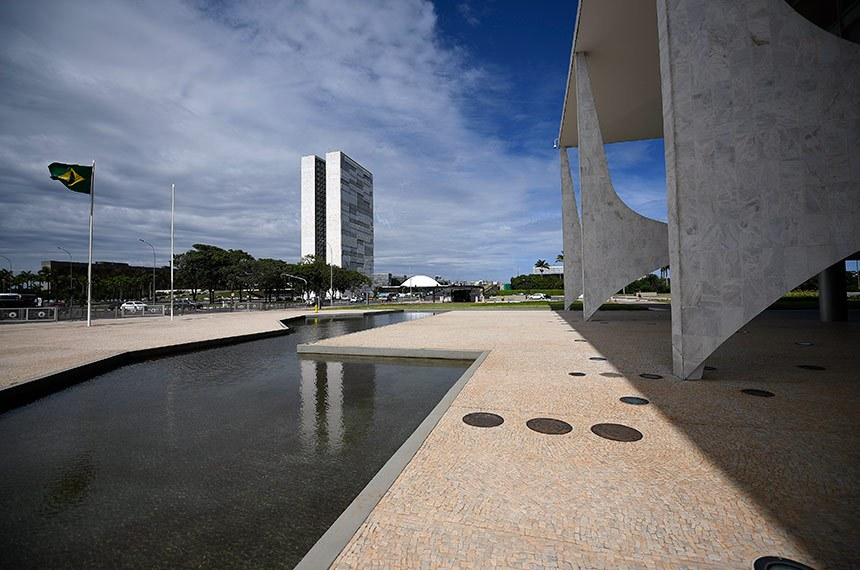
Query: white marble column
761, 113
571, 235
618, 244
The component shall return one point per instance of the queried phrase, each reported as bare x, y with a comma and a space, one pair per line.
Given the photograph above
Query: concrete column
761, 121
618, 244
571, 235
833, 293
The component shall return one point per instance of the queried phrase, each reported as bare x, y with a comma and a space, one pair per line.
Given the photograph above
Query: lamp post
153, 267
71, 289
330, 273
297, 277
10, 268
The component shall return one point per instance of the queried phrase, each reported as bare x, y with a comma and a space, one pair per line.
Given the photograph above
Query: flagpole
90, 256
172, 210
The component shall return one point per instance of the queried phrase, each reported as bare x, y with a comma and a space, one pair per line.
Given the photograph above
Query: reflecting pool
238, 456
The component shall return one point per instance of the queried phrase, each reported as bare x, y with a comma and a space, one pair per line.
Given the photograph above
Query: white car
133, 306
537, 296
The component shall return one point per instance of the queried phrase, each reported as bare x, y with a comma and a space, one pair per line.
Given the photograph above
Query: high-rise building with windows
337, 211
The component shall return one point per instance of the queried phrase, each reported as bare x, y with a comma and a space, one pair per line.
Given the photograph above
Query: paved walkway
718, 479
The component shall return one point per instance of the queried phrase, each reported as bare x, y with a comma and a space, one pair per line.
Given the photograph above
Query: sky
453, 105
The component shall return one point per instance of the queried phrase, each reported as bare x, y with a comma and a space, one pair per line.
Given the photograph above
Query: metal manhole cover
483, 419
598, 358
811, 367
612, 375
577, 373
650, 376
778, 563
579, 339
616, 432
804, 343
549, 426
756, 392
635, 400
711, 368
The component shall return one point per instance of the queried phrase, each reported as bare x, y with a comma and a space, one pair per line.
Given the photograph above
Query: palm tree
541, 265
559, 258
27, 277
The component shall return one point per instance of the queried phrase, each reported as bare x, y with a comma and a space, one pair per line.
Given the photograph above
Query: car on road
133, 306
538, 296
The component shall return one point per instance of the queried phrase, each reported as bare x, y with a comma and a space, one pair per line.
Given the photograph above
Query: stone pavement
718, 479
33, 350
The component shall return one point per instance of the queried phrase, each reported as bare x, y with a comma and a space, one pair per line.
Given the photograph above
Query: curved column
571, 233
618, 244
761, 113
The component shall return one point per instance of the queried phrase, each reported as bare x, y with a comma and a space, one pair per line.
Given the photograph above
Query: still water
239, 456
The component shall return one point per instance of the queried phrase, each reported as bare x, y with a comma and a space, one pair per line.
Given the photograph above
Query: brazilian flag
74, 176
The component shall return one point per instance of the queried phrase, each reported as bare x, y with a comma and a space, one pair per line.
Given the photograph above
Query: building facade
759, 109
337, 211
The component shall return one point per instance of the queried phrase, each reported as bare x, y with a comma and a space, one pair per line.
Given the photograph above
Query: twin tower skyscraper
337, 211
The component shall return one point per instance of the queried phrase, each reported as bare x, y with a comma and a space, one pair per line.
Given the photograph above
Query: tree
202, 268
559, 258
541, 265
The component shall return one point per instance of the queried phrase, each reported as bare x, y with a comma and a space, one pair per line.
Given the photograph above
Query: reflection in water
240, 456
332, 411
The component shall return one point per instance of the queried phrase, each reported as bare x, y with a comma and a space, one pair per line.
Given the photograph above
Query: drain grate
483, 419
577, 373
756, 392
635, 400
616, 432
811, 367
598, 358
778, 563
549, 426
650, 376
804, 343
612, 375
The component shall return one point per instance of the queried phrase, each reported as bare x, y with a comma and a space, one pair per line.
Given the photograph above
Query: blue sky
453, 106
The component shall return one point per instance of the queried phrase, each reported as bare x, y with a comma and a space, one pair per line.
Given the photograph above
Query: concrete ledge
31, 390
335, 539
379, 352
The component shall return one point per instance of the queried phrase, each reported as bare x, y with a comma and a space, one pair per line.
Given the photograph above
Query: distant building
381, 280
337, 211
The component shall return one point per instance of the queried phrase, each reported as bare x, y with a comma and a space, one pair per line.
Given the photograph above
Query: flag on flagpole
73, 176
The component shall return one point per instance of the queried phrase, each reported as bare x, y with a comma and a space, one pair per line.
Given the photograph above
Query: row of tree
204, 268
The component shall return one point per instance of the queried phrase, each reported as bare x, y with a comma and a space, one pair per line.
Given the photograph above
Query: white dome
420, 281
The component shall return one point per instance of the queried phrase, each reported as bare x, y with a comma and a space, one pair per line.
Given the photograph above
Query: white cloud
223, 100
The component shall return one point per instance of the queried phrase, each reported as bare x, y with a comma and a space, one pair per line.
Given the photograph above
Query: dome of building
420, 281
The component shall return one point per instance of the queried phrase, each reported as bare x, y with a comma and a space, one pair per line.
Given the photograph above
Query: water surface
238, 456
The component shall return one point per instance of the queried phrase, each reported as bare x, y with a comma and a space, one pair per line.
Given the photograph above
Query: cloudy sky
453, 105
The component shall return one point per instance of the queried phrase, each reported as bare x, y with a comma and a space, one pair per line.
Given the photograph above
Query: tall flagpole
90, 256
172, 210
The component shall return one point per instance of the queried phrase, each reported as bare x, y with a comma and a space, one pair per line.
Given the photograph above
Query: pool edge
329, 546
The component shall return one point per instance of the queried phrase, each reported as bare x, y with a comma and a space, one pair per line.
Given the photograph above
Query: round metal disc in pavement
635, 400
549, 426
711, 368
598, 358
803, 343
483, 419
650, 376
778, 563
756, 392
577, 373
579, 339
811, 367
616, 432
612, 375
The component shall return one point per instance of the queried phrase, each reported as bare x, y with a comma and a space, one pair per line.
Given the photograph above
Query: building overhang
620, 40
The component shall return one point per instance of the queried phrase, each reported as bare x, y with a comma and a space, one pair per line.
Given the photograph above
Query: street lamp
153, 267
71, 288
297, 277
331, 273
10, 269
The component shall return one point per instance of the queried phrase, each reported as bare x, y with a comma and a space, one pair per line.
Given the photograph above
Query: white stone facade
337, 211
